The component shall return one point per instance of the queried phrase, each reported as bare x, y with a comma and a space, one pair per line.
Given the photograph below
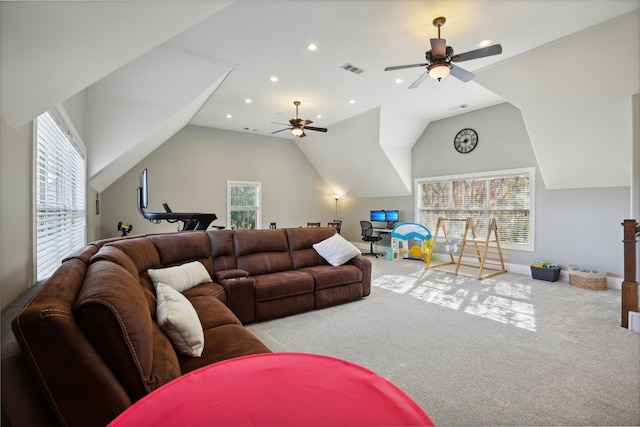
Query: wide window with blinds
59, 194
507, 196
243, 205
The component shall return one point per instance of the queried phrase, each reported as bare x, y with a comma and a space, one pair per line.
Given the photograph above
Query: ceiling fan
441, 57
299, 125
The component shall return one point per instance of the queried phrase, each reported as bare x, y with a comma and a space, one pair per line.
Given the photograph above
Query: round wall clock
465, 141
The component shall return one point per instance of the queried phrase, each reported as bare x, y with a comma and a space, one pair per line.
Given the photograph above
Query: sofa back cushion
301, 241
112, 310
262, 251
141, 251
136, 256
178, 248
222, 251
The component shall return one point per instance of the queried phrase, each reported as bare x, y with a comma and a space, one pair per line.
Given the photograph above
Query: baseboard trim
613, 282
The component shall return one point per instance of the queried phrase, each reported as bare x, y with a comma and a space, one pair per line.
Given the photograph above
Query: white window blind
60, 194
506, 196
243, 205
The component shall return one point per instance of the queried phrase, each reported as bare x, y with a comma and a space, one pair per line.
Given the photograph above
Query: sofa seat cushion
209, 289
222, 343
213, 312
282, 285
326, 276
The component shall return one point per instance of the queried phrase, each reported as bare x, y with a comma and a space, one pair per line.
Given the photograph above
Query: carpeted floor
508, 350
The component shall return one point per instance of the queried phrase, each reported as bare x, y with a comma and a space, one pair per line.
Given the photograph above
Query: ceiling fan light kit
441, 57
438, 71
298, 125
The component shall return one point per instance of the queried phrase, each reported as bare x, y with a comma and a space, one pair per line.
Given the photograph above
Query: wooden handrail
629, 284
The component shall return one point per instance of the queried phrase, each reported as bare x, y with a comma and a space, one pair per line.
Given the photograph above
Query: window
506, 196
243, 205
59, 192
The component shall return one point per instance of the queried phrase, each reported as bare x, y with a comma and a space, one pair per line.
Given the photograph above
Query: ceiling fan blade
315, 128
419, 81
400, 67
280, 130
304, 122
461, 74
496, 49
283, 124
438, 47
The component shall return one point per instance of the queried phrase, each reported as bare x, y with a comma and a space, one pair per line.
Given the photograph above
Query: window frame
257, 208
529, 171
78, 209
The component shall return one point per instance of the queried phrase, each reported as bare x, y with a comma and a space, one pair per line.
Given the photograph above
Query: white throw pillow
179, 320
181, 277
336, 250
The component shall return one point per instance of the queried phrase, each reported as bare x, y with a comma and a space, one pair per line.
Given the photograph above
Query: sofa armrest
230, 274
240, 296
364, 264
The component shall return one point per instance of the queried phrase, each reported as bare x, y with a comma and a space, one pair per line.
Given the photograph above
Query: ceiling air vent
352, 68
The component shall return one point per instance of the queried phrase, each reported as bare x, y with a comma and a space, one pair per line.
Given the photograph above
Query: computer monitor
391, 216
377, 216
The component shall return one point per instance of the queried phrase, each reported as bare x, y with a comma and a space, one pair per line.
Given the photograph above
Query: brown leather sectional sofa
90, 338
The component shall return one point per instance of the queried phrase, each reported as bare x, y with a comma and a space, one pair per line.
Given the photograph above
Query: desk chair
313, 224
368, 236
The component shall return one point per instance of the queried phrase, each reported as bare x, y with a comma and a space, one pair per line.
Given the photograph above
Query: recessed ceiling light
274, 79
248, 101
229, 116
319, 116
398, 80
312, 47
485, 43
352, 101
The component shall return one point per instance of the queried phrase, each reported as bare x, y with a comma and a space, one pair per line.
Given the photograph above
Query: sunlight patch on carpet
503, 310
497, 300
399, 284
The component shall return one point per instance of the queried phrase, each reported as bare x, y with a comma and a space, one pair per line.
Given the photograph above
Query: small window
243, 205
507, 196
59, 178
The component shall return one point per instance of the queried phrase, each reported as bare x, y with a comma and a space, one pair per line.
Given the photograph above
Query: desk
383, 230
276, 389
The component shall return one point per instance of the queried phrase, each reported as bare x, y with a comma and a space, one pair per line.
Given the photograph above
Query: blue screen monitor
377, 216
391, 216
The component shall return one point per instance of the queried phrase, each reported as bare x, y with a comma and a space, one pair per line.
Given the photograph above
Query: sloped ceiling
138, 107
145, 69
52, 50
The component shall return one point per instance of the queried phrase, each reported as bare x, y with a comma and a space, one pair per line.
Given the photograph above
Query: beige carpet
508, 350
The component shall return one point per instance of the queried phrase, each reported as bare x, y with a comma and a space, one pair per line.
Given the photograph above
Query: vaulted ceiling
143, 70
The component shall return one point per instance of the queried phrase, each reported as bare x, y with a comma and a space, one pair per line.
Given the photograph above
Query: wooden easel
475, 253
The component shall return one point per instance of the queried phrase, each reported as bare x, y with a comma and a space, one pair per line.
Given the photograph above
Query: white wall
579, 227
190, 173
16, 267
